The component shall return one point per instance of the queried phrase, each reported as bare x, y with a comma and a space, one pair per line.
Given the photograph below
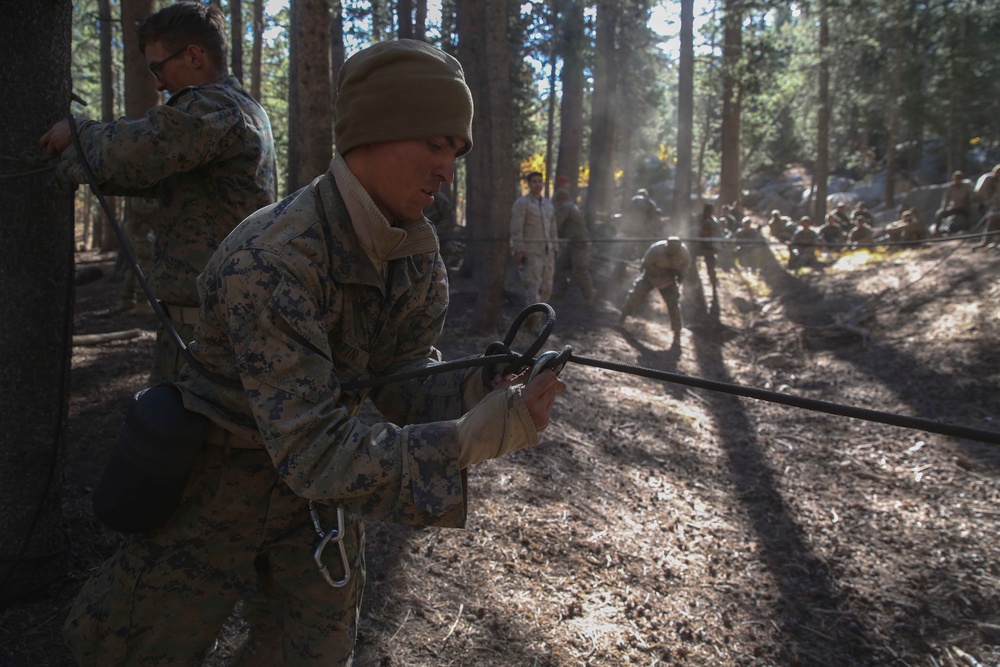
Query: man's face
171, 69
409, 173
535, 185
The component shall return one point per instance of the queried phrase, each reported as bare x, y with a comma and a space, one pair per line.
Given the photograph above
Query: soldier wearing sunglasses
207, 155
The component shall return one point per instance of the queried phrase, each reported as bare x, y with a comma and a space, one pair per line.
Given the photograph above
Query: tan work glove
503, 422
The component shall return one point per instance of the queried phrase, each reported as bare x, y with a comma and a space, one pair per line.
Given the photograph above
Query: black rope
498, 353
164, 318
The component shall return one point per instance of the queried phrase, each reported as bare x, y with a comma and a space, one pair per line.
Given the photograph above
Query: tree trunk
448, 25
310, 118
602, 126
485, 57
36, 295
236, 39
550, 128
822, 168
895, 112
420, 22
685, 118
257, 70
404, 13
571, 108
338, 54
729, 177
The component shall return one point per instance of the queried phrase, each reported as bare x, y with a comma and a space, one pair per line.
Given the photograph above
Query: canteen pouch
149, 467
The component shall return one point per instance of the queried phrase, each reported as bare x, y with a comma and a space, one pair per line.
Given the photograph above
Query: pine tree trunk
36, 294
310, 118
571, 107
685, 117
729, 177
236, 39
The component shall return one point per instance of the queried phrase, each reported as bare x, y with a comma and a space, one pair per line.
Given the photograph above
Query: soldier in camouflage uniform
207, 155
663, 267
339, 282
958, 205
574, 254
708, 229
802, 246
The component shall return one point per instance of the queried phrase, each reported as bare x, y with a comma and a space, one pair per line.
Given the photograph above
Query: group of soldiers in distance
729, 239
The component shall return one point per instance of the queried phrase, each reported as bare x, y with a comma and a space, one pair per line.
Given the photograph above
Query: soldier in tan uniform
341, 281
663, 267
957, 207
207, 155
534, 241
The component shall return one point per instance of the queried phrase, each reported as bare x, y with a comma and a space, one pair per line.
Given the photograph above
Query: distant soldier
988, 194
727, 219
861, 234
861, 211
802, 248
907, 229
749, 245
663, 267
780, 226
574, 251
533, 240
708, 229
839, 217
956, 209
647, 216
831, 235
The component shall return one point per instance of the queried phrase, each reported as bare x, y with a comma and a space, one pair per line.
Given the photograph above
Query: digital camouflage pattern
291, 308
207, 155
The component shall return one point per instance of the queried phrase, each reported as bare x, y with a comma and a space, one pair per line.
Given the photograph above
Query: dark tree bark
310, 117
236, 38
420, 21
729, 177
36, 295
257, 68
338, 54
404, 12
571, 48
685, 118
485, 57
448, 25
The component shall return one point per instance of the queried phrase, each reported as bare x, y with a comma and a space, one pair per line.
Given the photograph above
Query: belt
220, 437
181, 314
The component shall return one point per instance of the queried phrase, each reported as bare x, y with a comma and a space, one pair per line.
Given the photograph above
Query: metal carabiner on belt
334, 535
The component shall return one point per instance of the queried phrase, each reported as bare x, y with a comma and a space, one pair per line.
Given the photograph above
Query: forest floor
663, 525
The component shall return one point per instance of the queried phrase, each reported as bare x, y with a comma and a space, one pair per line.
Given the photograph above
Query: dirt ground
663, 525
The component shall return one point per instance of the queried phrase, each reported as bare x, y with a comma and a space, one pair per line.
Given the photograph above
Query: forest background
566, 87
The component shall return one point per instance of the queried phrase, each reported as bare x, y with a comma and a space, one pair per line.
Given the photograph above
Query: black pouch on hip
158, 442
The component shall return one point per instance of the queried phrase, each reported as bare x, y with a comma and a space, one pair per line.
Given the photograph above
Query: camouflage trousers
573, 266
163, 597
671, 295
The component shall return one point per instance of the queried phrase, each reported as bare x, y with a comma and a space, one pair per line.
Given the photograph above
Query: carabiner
335, 535
551, 360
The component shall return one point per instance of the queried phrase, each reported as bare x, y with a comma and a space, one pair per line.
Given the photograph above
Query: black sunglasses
156, 67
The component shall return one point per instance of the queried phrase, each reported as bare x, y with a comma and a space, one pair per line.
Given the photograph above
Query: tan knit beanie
399, 90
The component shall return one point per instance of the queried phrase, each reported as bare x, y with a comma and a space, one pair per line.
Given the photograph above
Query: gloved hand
508, 418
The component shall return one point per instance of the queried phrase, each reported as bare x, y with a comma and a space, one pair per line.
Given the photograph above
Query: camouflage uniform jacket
708, 229
532, 226
207, 154
292, 307
571, 226
662, 264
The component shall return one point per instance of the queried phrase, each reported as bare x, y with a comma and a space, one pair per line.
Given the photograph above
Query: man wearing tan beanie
339, 282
